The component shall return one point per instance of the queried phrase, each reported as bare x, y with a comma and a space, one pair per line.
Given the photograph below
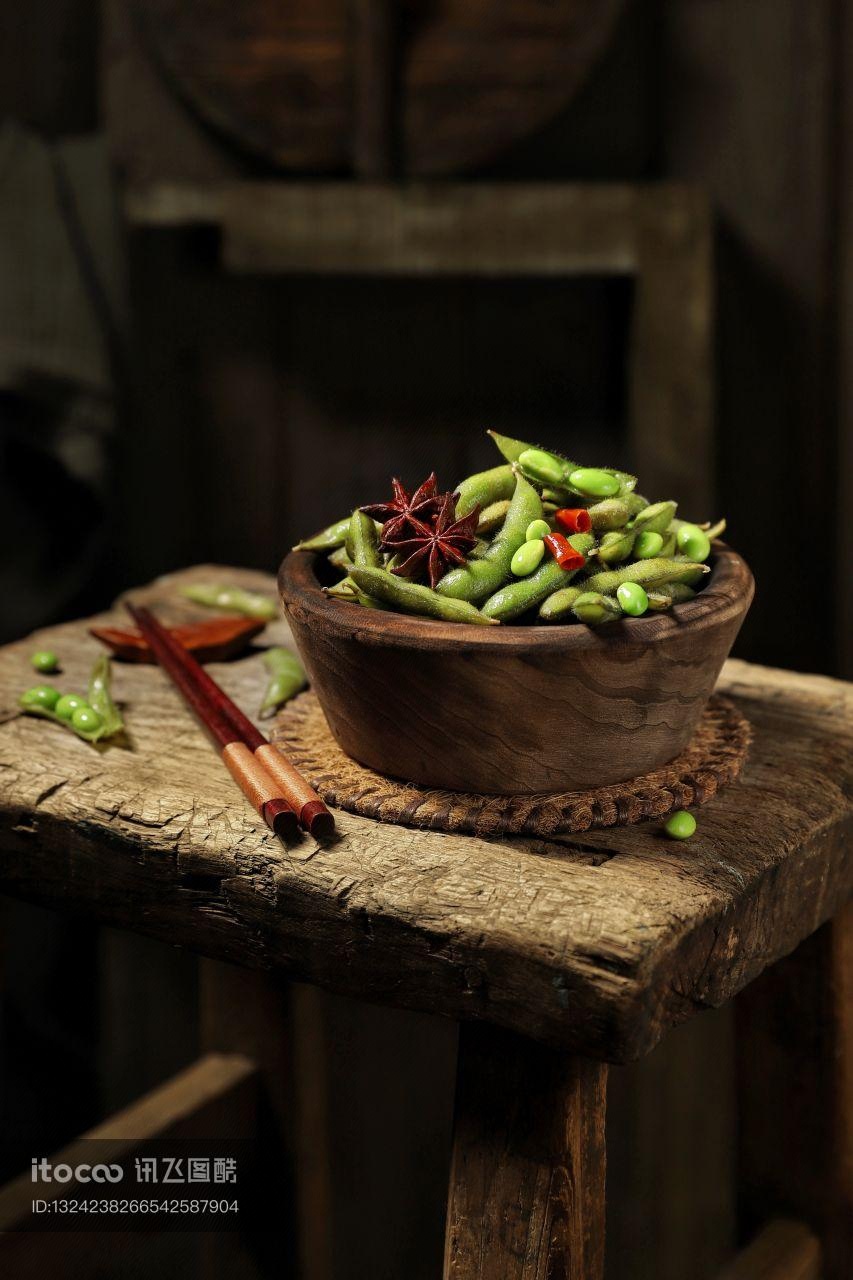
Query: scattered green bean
287, 678
647, 573
632, 599
648, 544
593, 608
492, 516
537, 529
518, 597
485, 488
45, 661
478, 579
327, 539
251, 604
528, 557
693, 542
414, 598
680, 825
558, 607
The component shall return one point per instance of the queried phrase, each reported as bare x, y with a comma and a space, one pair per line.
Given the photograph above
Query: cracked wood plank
597, 944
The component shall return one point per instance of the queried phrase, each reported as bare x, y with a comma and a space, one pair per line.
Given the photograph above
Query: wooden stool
556, 956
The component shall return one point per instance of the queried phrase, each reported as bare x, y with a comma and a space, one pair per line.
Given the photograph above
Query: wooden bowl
514, 709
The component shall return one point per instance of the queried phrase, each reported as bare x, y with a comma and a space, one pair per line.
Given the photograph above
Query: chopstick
273, 785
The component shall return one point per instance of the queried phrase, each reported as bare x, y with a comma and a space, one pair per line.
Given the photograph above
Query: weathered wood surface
526, 1197
596, 944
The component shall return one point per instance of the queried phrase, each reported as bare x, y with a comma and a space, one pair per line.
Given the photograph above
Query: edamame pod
554, 471
492, 516
287, 677
716, 530
593, 608
616, 546
251, 604
655, 519
526, 593
669, 593
485, 488
558, 607
340, 559
327, 539
478, 579
609, 514
411, 597
647, 573
363, 541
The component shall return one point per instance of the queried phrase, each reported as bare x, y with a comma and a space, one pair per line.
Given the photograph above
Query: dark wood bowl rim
728, 592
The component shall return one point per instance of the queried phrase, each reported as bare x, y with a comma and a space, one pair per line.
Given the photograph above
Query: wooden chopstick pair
275, 788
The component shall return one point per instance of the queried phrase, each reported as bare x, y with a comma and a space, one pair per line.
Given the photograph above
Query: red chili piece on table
563, 553
574, 519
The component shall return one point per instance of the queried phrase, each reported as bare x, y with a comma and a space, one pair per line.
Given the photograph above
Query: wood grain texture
512, 710
795, 1059
597, 944
279, 79
526, 1198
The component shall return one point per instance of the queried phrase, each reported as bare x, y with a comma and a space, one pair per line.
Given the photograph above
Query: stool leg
795, 1085
526, 1197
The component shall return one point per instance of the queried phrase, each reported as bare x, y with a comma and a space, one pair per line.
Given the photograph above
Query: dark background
199, 416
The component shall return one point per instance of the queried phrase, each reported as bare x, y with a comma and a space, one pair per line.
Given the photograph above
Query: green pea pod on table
286, 678
484, 489
412, 597
251, 604
478, 579
527, 593
334, 535
91, 718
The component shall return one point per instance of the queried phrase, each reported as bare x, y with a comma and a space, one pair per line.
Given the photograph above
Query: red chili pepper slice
563, 552
574, 519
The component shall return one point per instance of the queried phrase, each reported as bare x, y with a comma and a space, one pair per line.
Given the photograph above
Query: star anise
397, 516
438, 545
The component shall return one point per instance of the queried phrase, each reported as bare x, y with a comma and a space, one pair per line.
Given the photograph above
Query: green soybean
558, 607
45, 661
492, 516
286, 678
484, 488
41, 695
327, 539
68, 704
552, 470
593, 608
363, 541
86, 721
518, 597
478, 579
251, 604
648, 544
655, 518
693, 542
527, 557
647, 573
616, 546
680, 825
632, 599
537, 529
538, 464
592, 482
411, 597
